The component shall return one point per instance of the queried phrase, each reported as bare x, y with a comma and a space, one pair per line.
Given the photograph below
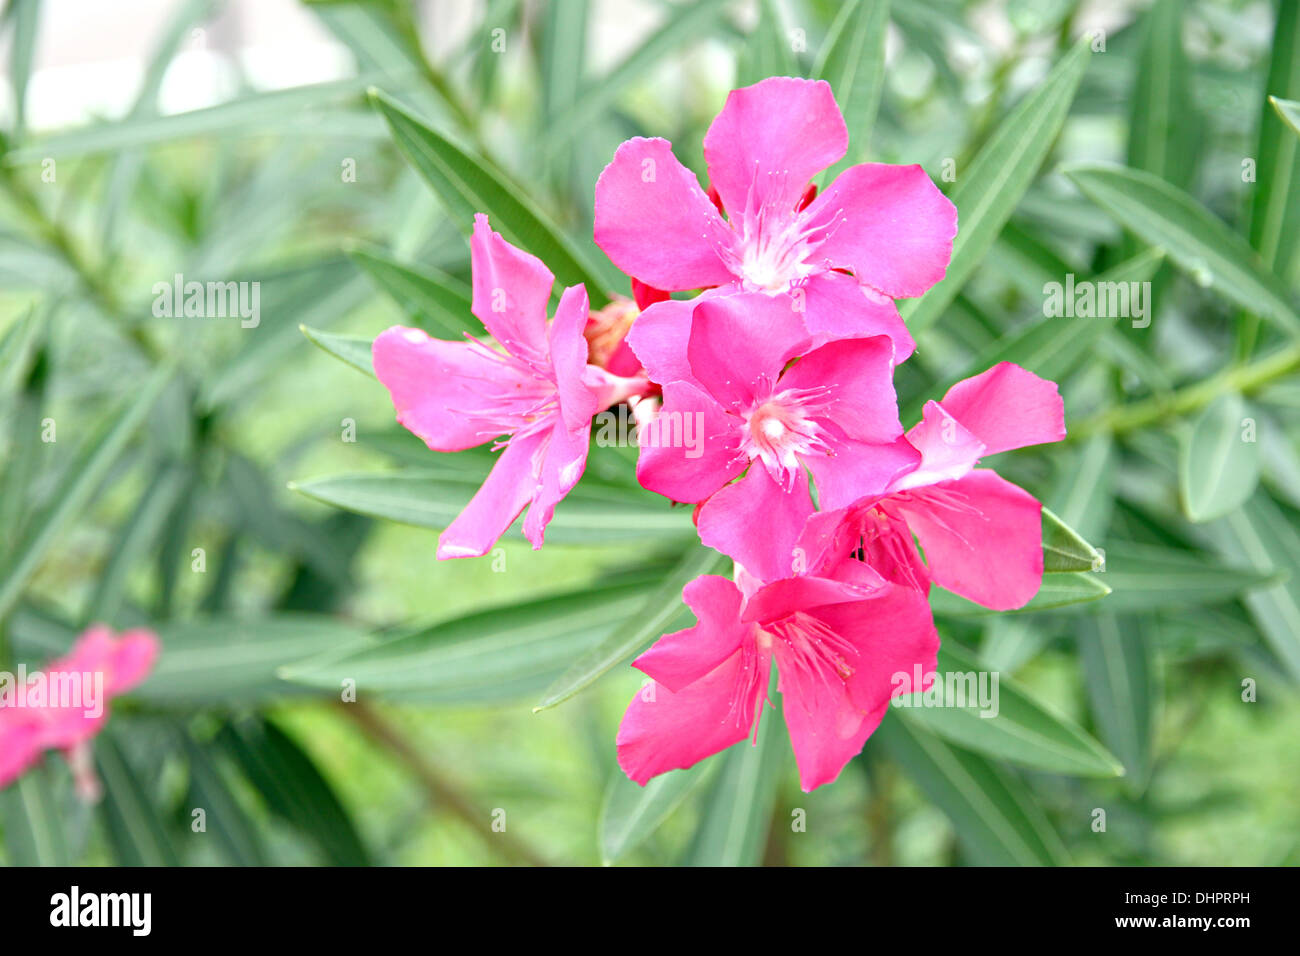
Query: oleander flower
837, 637
981, 534
879, 232
760, 402
532, 384
66, 705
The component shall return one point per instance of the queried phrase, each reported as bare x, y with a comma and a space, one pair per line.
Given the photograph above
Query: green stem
1236, 378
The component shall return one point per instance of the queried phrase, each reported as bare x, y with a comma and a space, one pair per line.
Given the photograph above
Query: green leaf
1064, 549
994, 819
133, 823
1164, 133
767, 51
1145, 577
1289, 110
294, 788
1197, 241
434, 300
469, 185
231, 661
1217, 470
630, 813
1020, 729
686, 23
282, 112
661, 609
142, 532
34, 827
235, 833
352, 349
987, 192
1121, 672
81, 480
852, 60
737, 811
1058, 590
1261, 535
498, 654
27, 453
1275, 197
25, 15
588, 515
563, 54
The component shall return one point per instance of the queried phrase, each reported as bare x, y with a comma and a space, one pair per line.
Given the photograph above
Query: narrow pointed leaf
661, 610
1064, 549
355, 350
738, 807
587, 515
435, 301
467, 184
630, 814
995, 820
1193, 237
1004, 721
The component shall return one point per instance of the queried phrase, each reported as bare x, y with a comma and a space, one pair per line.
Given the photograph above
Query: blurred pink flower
838, 641
537, 389
66, 705
878, 233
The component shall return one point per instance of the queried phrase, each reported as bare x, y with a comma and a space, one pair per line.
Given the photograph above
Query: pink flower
837, 640
65, 706
878, 233
537, 388
982, 535
740, 406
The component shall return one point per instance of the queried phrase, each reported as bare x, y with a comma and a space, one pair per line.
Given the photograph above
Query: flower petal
685, 656
894, 228
836, 306
948, 451
756, 522
826, 728
1007, 407
690, 448
511, 291
659, 337
568, 348
672, 731
856, 469
775, 135
982, 537
740, 343
655, 222
893, 632
564, 458
441, 389
511, 484
859, 377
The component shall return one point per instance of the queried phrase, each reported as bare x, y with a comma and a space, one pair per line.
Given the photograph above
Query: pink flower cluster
783, 363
